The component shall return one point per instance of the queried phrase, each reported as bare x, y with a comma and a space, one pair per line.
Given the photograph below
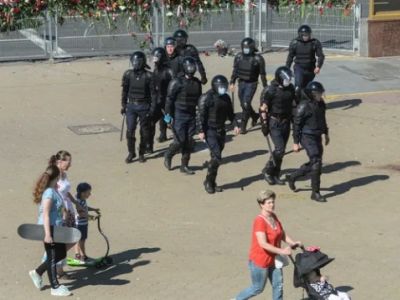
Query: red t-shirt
258, 255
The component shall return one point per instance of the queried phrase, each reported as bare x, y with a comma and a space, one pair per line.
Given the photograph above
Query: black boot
209, 186
131, 148
291, 180
169, 154
185, 164
142, 151
243, 124
317, 197
278, 181
167, 160
163, 132
162, 138
185, 169
316, 182
254, 118
270, 179
268, 172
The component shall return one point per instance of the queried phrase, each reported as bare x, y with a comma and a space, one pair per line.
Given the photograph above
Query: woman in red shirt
266, 240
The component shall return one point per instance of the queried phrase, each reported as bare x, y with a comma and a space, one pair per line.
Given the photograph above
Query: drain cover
93, 129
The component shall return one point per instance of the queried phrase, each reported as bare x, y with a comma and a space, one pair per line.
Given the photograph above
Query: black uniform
136, 102
304, 55
309, 125
162, 76
191, 51
175, 63
279, 101
247, 68
214, 110
182, 98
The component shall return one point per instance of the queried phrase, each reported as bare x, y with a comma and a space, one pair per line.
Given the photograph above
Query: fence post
50, 36
156, 31
247, 23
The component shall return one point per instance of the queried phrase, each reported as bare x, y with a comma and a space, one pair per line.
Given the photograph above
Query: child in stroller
307, 275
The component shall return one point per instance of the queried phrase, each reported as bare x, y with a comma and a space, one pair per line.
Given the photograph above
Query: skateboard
35, 232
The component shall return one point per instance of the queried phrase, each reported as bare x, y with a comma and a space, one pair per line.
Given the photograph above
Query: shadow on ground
344, 104
107, 276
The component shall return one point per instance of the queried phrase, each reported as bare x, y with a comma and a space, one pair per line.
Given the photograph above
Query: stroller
305, 263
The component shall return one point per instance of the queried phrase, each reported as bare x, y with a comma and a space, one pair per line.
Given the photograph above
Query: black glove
203, 80
123, 110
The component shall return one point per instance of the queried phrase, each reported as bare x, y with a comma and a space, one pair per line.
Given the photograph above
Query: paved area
171, 240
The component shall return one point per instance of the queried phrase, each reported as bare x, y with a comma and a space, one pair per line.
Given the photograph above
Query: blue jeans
258, 281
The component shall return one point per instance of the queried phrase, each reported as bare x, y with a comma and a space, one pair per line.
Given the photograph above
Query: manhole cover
93, 129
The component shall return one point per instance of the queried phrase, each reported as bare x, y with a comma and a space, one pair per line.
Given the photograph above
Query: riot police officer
162, 75
137, 94
182, 99
215, 107
174, 60
303, 50
309, 126
275, 114
248, 66
183, 49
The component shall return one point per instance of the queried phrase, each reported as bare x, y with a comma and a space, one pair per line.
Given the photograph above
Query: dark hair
265, 195
81, 188
60, 155
42, 183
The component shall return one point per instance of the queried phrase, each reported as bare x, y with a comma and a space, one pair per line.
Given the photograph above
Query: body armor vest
139, 90
248, 68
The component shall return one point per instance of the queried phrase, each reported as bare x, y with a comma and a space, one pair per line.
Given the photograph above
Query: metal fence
271, 28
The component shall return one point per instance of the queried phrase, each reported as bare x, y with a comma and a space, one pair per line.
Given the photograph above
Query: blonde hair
265, 195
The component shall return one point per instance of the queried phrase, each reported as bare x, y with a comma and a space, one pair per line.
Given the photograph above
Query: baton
270, 150
171, 126
291, 151
233, 101
122, 127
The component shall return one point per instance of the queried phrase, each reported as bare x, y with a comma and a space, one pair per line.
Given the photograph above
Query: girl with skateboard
50, 214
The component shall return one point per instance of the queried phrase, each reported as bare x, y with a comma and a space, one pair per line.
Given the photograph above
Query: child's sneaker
37, 279
62, 290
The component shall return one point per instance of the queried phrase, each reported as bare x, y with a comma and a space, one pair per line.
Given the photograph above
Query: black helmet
181, 37
138, 60
189, 66
250, 44
170, 41
159, 55
283, 73
312, 88
304, 30
219, 81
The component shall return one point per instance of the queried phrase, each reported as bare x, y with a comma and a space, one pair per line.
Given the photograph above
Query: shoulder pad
190, 47
302, 106
127, 73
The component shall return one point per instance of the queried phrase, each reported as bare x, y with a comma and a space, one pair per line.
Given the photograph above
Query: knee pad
316, 165
130, 134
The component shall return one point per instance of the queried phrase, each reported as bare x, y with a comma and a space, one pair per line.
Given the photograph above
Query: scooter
99, 262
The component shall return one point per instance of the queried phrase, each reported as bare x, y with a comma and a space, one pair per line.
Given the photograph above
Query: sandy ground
171, 240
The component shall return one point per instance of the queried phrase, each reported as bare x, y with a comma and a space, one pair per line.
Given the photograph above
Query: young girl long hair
61, 155
51, 173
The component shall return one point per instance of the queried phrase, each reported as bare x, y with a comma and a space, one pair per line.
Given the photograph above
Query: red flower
16, 10
321, 11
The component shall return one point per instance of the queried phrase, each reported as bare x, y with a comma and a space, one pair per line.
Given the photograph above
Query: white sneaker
62, 290
37, 279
